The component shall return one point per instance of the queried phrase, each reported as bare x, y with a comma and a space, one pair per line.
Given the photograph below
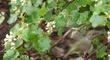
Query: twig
62, 38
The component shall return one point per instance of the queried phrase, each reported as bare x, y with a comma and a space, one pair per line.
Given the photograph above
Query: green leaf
100, 7
97, 20
48, 15
42, 11
18, 1
75, 17
83, 2
28, 46
43, 44
83, 18
13, 18
29, 35
61, 3
18, 42
29, 19
11, 55
101, 52
96, 41
71, 7
16, 28
24, 57
25, 34
33, 1
60, 31
27, 8
21, 50
39, 31
51, 4
33, 17
50, 1
60, 21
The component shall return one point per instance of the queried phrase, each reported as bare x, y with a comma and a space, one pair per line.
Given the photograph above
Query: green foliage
42, 45
65, 13
18, 43
101, 52
24, 57
82, 18
61, 21
29, 35
83, 2
100, 48
42, 11
97, 20
11, 55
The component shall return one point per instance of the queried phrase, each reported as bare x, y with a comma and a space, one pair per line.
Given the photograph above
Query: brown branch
62, 38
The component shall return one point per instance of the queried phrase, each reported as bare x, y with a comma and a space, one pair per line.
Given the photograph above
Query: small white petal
108, 32
7, 35
47, 25
108, 38
12, 44
9, 40
12, 48
14, 39
5, 39
11, 33
53, 26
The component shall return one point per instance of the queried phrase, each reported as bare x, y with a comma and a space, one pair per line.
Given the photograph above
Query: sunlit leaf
11, 55
101, 52
42, 11
97, 20
18, 43
43, 44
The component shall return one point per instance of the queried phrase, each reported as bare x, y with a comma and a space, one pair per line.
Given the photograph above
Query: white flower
5, 40
96, 0
109, 56
12, 48
50, 26
53, 26
14, 39
108, 36
11, 33
9, 40
7, 36
108, 32
12, 44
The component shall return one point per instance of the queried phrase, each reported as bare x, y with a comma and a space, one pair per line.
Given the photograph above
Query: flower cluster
50, 26
10, 41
